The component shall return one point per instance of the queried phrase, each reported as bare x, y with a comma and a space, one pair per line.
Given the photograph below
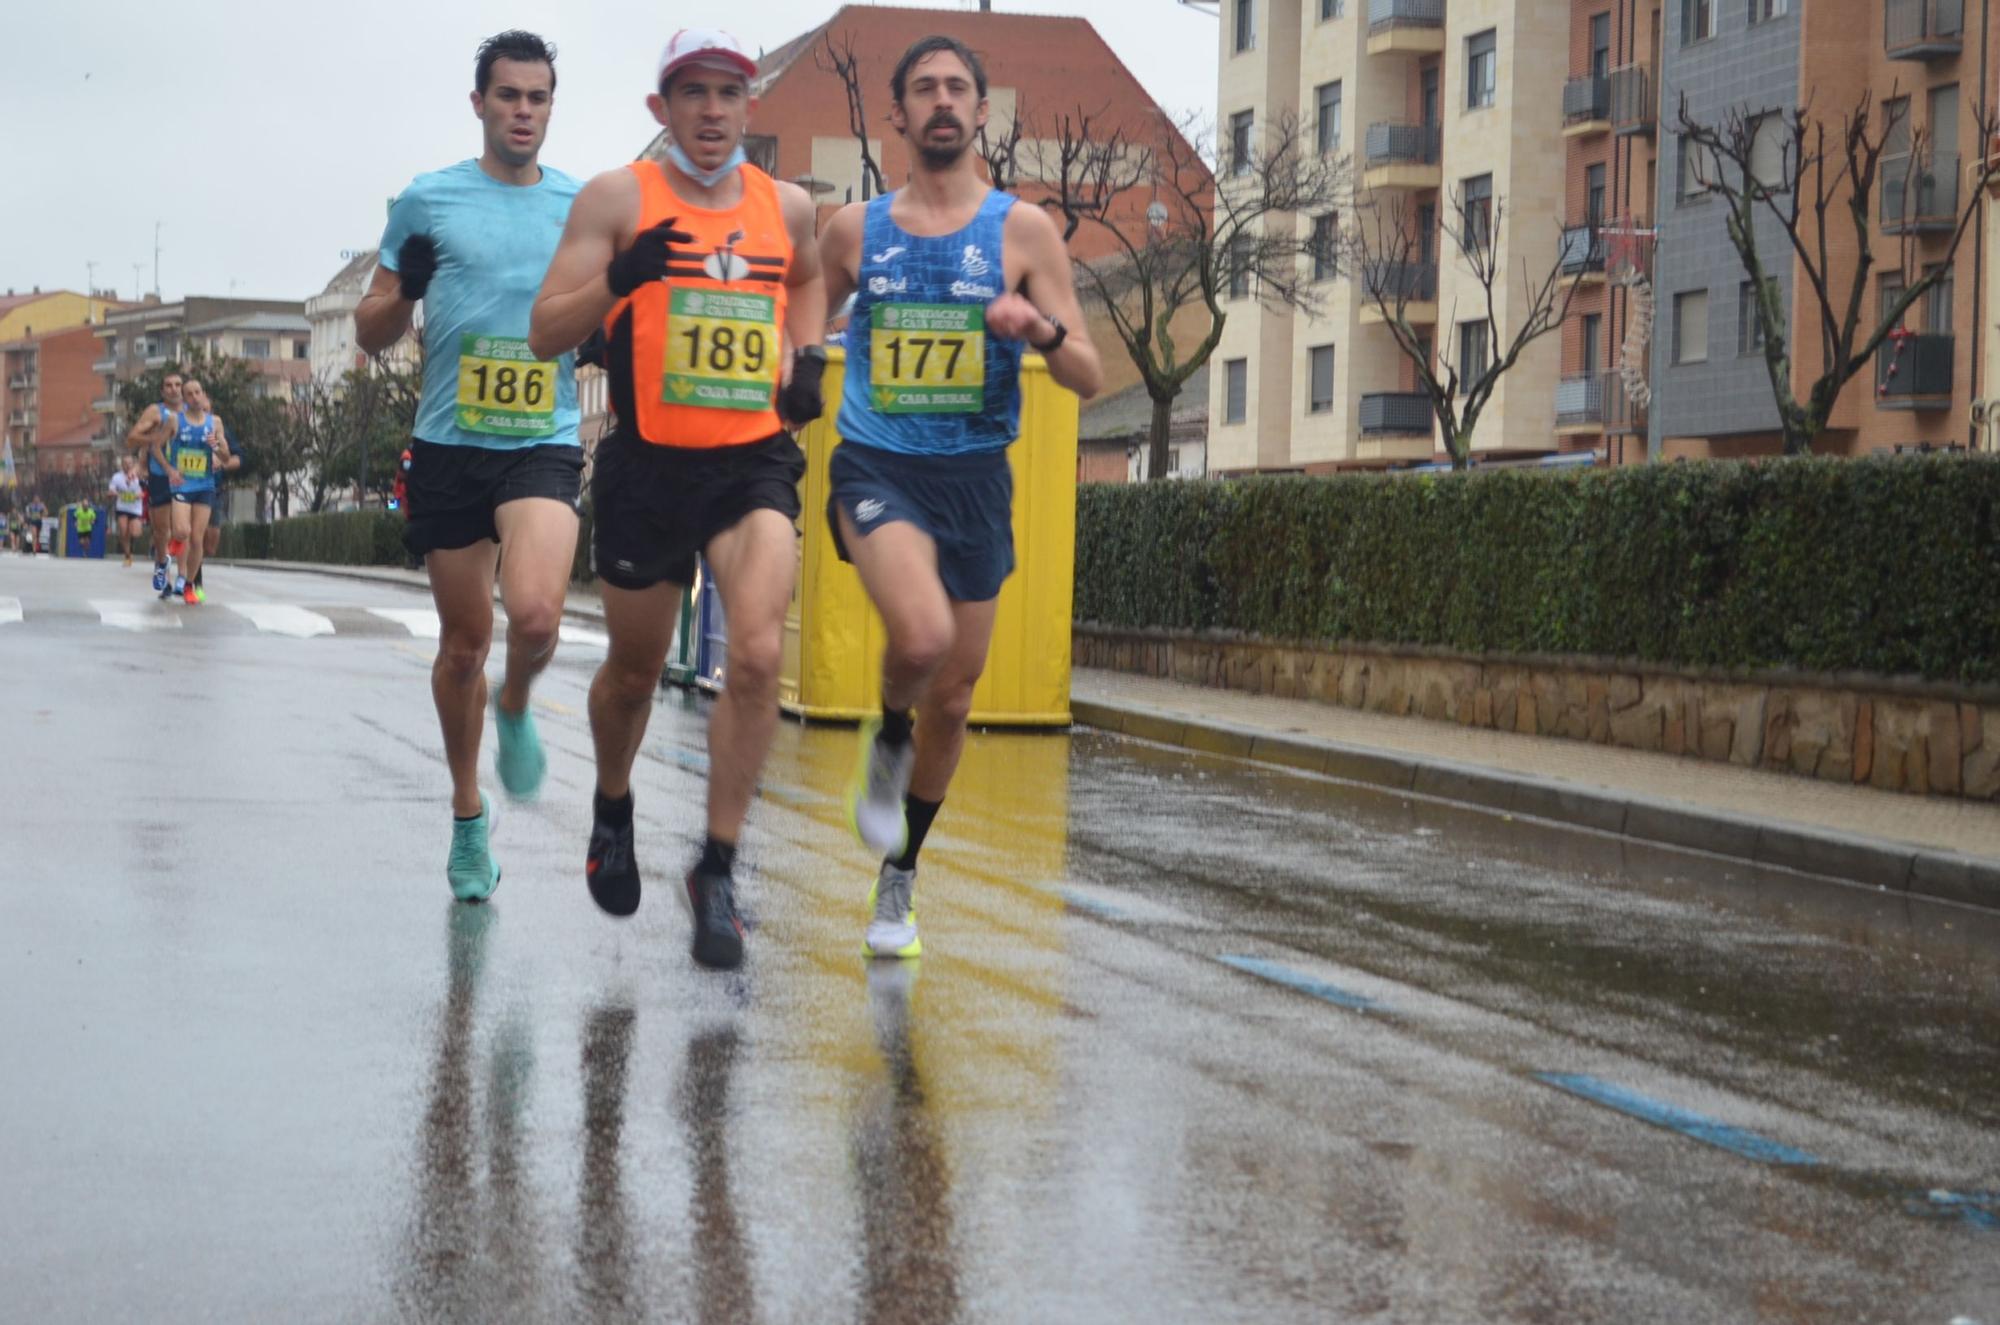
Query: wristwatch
1062, 334
816, 353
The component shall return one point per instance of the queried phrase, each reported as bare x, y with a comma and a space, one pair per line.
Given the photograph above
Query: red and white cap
711, 47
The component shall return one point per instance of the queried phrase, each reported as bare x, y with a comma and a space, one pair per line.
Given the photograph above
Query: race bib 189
722, 350
503, 389
927, 358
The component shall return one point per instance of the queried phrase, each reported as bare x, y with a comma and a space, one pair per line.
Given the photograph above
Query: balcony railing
1413, 282
21, 382
18, 419
1917, 377
1623, 417
1387, 15
1582, 249
105, 366
1390, 144
1922, 29
1585, 99
1580, 400
1633, 106
1919, 193
105, 405
1396, 412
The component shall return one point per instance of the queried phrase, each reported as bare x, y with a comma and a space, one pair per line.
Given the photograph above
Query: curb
1870, 862
389, 575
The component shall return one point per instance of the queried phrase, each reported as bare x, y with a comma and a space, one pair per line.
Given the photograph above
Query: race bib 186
722, 350
503, 389
927, 358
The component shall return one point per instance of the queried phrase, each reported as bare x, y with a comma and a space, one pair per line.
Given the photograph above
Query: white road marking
10, 610
421, 622
133, 616
583, 635
283, 619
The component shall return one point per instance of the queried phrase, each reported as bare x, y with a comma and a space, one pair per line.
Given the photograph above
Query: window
762, 149
1593, 196
1763, 11
1326, 247
1937, 302
1769, 141
1481, 70
1697, 20
1943, 146
1246, 24
1321, 399
1471, 355
1332, 9
1887, 293
256, 347
1691, 327
1600, 45
1236, 390
1239, 266
1173, 460
1697, 165
1427, 227
1476, 195
1749, 330
1239, 141
1329, 118
1593, 334
301, 349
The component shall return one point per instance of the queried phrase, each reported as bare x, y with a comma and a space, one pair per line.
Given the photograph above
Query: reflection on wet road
1192, 1040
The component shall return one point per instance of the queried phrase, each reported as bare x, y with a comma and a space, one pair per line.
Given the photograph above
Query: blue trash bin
74, 543
712, 652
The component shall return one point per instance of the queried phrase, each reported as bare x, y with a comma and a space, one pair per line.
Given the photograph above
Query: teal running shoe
520, 757
471, 867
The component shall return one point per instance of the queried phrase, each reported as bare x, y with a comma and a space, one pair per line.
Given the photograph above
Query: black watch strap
1062, 334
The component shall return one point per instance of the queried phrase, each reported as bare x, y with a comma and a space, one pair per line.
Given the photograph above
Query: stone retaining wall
1898, 736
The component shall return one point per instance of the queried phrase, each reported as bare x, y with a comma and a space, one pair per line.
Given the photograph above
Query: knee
533, 626
628, 681
754, 662
921, 649
950, 701
461, 657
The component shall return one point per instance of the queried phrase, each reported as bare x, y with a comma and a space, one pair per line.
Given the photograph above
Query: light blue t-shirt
494, 242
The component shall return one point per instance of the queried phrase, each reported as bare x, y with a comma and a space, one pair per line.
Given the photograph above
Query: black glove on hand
416, 263
647, 259
800, 400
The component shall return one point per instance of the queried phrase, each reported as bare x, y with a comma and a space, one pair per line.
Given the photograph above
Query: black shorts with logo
451, 492
964, 502
159, 491
654, 508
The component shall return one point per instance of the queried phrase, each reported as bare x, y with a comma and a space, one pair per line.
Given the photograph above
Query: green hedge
339, 538
1889, 566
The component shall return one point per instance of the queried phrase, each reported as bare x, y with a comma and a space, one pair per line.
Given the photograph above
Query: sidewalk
1931, 846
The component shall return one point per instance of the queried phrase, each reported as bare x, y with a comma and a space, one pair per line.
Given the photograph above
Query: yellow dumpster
833, 637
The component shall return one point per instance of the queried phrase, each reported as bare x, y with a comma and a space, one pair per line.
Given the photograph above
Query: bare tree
1390, 258
841, 61
1002, 151
1780, 163
1200, 242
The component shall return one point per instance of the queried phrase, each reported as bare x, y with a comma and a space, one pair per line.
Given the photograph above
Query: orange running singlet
695, 359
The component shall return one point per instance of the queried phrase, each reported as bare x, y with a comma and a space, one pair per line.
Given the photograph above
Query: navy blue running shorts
964, 502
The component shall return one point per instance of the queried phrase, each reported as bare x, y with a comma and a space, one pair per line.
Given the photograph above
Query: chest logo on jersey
724, 264
880, 285
973, 271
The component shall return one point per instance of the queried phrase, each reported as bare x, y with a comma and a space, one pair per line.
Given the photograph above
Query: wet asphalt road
1193, 1040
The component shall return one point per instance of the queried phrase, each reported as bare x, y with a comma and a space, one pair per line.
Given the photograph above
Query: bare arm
158, 450
805, 303
383, 316
1046, 289
575, 296
141, 434
840, 254
226, 457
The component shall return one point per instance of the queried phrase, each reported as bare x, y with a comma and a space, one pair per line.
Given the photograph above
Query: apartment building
46, 389
153, 334
1610, 132
1433, 103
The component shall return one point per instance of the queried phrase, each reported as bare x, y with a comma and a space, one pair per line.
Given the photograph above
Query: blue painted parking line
1305, 984
1660, 1114
1979, 1209
1076, 901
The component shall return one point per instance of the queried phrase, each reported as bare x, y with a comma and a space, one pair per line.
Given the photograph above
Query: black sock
197, 577
617, 813
467, 818
895, 726
716, 857
919, 813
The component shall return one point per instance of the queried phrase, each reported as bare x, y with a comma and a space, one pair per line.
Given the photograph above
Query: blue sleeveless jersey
192, 439
153, 465
923, 377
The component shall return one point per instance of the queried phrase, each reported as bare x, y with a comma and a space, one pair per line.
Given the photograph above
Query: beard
942, 156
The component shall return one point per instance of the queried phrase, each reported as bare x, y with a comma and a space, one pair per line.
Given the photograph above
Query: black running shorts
654, 508
453, 491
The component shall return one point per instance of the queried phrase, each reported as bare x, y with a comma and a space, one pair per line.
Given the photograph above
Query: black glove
416, 263
593, 350
800, 400
647, 259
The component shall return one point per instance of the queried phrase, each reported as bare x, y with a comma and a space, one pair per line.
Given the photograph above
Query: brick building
47, 390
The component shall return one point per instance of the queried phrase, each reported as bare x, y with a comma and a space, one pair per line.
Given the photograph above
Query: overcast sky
265, 138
